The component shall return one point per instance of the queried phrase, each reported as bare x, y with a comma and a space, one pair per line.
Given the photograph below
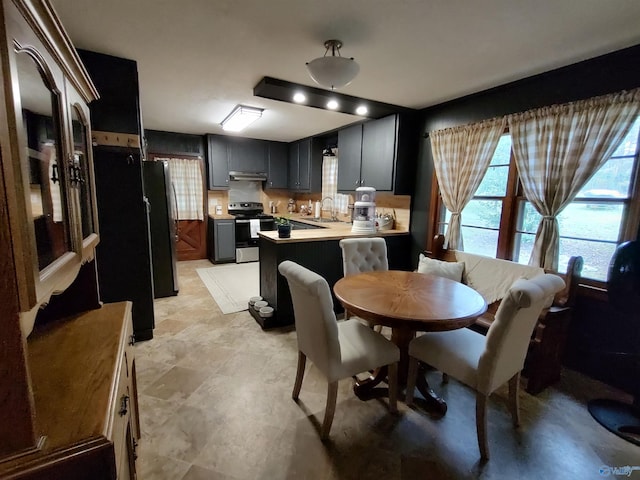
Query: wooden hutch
68, 401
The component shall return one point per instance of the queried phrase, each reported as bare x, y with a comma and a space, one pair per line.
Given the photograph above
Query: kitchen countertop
329, 231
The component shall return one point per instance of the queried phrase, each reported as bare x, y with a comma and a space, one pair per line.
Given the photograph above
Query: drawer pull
124, 405
132, 339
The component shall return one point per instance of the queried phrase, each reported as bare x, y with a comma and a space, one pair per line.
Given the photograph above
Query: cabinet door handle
124, 405
132, 339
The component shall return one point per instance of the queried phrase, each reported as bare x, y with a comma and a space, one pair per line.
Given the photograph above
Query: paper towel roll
317, 211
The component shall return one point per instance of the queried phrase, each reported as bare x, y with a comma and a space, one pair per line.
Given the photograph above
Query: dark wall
595, 326
175, 143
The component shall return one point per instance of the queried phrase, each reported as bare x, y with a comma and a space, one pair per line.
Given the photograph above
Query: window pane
480, 241
482, 213
591, 221
596, 256
611, 181
494, 183
629, 144
502, 155
528, 219
523, 247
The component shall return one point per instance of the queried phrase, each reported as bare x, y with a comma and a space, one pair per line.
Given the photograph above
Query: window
591, 225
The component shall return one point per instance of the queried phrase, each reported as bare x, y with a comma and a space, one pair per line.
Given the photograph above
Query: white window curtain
557, 150
461, 156
186, 178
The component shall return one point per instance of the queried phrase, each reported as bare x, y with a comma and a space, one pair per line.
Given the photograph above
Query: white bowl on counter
266, 312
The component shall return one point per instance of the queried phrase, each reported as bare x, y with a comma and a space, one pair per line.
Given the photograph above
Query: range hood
257, 177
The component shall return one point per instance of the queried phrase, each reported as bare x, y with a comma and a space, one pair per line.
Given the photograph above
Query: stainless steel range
249, 219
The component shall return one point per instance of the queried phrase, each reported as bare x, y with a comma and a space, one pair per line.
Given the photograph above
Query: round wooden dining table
408, 302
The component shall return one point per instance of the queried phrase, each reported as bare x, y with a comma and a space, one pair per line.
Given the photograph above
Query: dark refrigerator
162, 223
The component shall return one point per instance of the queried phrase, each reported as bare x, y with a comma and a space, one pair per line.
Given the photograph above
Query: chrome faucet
331, 210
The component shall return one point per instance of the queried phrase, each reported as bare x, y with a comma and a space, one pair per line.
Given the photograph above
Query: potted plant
284, 227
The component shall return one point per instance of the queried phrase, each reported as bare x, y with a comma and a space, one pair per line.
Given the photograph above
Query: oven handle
242, 221
262, 220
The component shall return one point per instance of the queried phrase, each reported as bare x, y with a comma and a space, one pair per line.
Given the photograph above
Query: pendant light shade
333, 71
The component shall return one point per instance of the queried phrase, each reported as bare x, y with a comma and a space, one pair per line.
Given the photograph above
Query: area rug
232, 285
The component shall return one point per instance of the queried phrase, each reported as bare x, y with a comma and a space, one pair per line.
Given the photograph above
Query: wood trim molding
41, 17
114, 139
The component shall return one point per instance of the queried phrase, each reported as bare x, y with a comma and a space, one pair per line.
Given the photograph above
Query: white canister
317, 210
218, 209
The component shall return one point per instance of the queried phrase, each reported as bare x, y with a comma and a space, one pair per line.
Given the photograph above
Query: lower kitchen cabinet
83, 374
221, 238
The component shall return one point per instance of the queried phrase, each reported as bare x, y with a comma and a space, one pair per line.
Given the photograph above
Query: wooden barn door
191, 241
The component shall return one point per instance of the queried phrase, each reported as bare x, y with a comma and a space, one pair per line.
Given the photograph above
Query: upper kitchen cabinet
379, 153
46, 159
277, 165
305, 166
247, 155
218, 162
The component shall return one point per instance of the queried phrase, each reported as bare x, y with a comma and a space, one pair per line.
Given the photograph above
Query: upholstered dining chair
339, 349
363, 255
486, 363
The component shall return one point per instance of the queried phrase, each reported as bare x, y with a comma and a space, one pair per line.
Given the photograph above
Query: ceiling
197, 59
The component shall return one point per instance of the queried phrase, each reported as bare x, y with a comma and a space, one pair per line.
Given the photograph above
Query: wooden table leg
433, 403
401, 337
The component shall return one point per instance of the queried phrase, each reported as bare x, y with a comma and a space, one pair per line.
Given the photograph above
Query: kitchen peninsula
317, 249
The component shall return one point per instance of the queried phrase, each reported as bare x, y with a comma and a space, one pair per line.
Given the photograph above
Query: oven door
245, 237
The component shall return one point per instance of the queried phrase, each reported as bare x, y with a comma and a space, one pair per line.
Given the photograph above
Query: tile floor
215, 403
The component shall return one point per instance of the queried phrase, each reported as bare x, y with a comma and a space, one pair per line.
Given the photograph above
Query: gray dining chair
486, 363
363, 255
338, 349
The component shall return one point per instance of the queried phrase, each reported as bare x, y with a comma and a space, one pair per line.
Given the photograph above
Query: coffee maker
364, 211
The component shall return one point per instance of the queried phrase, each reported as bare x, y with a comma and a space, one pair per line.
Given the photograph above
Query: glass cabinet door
80, 168
41, 117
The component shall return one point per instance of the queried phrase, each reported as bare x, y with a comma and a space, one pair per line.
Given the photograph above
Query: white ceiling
197, 59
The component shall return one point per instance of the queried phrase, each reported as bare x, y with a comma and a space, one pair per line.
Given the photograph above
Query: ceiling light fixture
240, 118
299, 97
284, 91
332, 105
362, 110
333, 71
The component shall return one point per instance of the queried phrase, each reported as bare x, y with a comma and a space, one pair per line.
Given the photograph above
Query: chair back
316, 327
363, 255
507, 340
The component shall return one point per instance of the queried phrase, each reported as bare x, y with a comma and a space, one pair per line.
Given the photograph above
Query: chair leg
411, 380
514, 398
393, 387
481, 424
302, 361
330, 410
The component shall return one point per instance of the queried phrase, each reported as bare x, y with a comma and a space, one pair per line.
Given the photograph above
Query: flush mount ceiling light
299, 97
333, 71
240, 118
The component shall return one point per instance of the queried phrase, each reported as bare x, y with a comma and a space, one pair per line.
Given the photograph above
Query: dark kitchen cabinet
305, 166
277, 165
350, 151
222, 240
380, 153
247, 155
218, 162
